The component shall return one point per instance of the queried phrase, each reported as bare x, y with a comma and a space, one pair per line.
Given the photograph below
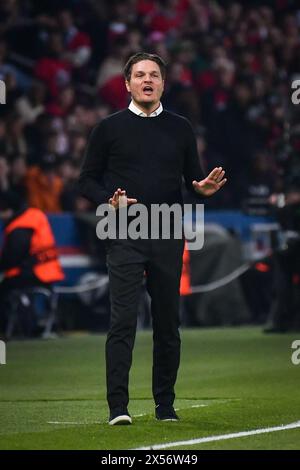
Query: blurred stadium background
230, 71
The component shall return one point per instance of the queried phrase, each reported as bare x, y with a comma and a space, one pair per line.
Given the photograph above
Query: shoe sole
120, 420
167, 419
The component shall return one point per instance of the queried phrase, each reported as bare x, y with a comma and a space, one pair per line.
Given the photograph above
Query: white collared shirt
137, 110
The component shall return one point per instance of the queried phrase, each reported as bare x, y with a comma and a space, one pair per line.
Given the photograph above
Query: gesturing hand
120, 199
212, 183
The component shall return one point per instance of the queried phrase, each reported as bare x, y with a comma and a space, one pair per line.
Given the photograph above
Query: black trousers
127, 261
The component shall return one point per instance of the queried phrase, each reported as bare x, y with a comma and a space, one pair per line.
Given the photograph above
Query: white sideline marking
77, 423
221, 437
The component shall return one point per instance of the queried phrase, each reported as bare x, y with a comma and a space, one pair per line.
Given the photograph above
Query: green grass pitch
52, 393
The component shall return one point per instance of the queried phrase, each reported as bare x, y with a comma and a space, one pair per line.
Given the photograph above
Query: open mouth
148, 90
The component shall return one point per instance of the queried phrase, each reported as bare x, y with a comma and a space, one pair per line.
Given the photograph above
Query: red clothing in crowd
114, 92
55, 73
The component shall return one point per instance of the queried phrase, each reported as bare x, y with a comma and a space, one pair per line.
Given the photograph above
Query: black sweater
147, 157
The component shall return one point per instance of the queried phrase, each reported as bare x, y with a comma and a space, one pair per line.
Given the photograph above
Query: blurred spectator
260, 185
110, 79
135, 40
82, 119
3, 143
21, 80
234, 136
63, 104
217, 97
121, 13
44, 185
29, 259
71, 200
77, 147
15, 139
157, 44
4, 174
30, 106
77, 43
53, 69
36, 137
18, 170
12, 16
284, 310
167, 16
180, 95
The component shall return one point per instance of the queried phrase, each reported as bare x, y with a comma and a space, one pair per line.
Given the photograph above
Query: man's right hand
120, 199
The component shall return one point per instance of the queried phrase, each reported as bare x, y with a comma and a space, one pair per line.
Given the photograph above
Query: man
43, 184
284, 310
130, 155
29, 256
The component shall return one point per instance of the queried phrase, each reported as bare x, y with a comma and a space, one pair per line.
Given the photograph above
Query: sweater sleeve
16, 248
192, 164
90, 183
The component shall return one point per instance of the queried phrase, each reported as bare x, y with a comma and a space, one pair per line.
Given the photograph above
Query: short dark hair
134, 59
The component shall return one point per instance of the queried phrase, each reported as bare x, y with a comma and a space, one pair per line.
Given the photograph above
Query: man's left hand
212, 183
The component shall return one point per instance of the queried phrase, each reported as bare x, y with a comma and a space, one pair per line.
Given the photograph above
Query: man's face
146, 84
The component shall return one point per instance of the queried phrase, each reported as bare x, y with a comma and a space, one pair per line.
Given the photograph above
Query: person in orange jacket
44, 186
29, 256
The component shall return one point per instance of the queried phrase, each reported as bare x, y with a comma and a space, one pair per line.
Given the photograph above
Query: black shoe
119, 416
165, 413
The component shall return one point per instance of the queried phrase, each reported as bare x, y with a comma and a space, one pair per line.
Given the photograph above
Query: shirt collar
132, 107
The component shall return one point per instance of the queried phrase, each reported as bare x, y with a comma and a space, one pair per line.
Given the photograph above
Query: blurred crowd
230, 69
